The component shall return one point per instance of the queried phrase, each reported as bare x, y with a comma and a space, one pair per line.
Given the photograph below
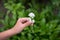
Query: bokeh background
47, 19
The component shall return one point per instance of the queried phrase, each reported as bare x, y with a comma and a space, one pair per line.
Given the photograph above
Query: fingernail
30, 19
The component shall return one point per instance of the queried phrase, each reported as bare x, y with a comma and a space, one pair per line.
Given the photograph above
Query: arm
6, 34
20, 25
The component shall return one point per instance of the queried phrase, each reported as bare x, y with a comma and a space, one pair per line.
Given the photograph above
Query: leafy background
47, 25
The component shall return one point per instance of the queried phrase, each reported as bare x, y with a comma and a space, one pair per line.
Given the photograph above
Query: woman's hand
21, 24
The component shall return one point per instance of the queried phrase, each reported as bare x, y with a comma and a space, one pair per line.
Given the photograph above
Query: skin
19, 26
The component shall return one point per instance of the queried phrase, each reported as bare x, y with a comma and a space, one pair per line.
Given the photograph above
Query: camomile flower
32, 15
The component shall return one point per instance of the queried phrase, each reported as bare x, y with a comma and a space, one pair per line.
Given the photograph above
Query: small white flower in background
32, 15
33, 21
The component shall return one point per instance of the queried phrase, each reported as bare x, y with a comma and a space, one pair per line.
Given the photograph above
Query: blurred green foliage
47, 25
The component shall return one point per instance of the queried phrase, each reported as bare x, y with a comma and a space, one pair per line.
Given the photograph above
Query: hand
21, 24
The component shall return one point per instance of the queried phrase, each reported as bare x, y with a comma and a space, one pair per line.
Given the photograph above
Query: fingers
24, 19
27, 23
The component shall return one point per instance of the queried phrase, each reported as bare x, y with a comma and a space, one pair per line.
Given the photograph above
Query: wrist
16, 30
13, 31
